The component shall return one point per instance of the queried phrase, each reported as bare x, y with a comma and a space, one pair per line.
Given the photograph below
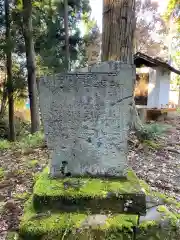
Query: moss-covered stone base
92, 194
74, 226
39, 223
35, 225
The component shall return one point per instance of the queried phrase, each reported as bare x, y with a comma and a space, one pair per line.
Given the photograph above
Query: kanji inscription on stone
86, 117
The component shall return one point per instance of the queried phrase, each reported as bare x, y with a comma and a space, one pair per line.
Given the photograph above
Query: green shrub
152, 144
21, 127
4, 144
151, 131
32, 141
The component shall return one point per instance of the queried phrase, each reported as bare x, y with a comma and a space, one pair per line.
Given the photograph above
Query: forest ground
156, 163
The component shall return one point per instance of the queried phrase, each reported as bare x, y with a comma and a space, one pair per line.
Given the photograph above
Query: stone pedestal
86, 209
85, 117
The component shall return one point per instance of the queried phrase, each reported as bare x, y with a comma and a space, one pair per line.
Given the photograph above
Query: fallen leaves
159, 166
16, 184
5, 183
173, 150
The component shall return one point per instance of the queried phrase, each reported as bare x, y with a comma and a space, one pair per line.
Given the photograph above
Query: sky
96, 6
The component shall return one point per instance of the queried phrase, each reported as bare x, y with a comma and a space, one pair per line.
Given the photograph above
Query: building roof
143, 59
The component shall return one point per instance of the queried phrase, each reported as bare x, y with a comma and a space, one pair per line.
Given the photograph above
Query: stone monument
86, 117
87, 191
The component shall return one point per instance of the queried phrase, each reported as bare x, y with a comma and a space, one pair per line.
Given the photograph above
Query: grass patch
22, 196
31, 141
4, 144
151, 131
152, 144
33, 163
27, 142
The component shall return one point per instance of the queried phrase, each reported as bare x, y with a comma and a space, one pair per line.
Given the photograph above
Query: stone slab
115, 204
73, 225
77, 226
86, 119
89, 194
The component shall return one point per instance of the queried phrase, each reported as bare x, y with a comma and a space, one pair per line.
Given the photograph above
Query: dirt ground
159, 167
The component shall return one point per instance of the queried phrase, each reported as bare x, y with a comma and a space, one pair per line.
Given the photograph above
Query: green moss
152, 144
36, 176
122, 222
87, 193
146, 224
33, 224
34, 163
88, 187
70, 226
167, 214
22, 196
62, 225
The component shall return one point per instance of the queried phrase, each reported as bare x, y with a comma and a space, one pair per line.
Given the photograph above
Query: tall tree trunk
118, 30
119, 24
31, 65
12, 135
67, 62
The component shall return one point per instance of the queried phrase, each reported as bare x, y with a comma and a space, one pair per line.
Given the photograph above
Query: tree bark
119, 25
31, 65
12, 135
118, 30
67, 56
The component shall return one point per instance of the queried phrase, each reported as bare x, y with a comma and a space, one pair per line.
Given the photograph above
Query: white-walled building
158, 75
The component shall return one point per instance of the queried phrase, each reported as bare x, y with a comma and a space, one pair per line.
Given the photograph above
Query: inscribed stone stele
85, 117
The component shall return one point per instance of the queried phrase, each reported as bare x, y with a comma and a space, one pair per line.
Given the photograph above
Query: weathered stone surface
153, 202
161, 216
152, 215
85, 117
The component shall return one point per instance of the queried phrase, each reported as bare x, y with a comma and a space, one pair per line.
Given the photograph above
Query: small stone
95, 220
151, 215
153, 201
160, 217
